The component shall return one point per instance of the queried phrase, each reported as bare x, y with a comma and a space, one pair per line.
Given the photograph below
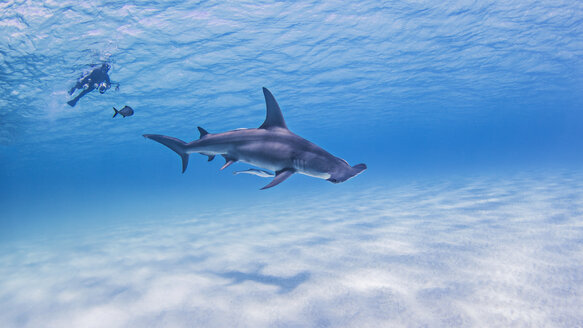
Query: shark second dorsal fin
273, 118
202, 131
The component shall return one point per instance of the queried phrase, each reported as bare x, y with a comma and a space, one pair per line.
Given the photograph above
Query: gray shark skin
272, 146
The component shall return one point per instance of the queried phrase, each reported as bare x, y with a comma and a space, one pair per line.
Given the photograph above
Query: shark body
272, 146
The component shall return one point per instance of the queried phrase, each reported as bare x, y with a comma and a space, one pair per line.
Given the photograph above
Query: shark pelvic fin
228, 162
280, 177
273, 117
202, 131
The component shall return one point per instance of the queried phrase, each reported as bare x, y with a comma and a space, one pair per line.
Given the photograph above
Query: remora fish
259, 173
272, 146
125, 111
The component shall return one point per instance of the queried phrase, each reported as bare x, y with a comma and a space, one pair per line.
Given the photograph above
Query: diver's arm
83, 81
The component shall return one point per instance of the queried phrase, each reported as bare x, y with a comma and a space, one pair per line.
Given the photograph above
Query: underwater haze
468, 115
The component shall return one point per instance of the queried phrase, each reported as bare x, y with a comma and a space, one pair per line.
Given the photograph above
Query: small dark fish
125, 111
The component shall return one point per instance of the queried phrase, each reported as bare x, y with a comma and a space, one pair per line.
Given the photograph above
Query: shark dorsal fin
202, 131
273, 118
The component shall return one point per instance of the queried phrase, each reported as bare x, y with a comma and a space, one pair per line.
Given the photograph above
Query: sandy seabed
480, 251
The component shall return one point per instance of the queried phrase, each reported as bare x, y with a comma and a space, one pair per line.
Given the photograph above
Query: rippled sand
479, 251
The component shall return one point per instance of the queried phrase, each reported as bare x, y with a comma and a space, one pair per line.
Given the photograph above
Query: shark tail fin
116, 112
175, 144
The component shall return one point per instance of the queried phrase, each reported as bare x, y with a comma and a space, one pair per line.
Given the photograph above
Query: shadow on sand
285, 284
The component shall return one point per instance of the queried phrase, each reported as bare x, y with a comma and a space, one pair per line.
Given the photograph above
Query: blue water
469, 116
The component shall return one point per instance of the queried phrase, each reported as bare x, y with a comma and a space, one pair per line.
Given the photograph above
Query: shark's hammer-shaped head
342, 171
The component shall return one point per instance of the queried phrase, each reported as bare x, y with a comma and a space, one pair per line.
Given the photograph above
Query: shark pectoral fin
280, 177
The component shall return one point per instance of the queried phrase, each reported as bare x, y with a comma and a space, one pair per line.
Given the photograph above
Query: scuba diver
97, 79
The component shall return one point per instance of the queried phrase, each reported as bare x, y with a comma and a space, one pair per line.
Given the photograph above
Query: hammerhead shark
272, 146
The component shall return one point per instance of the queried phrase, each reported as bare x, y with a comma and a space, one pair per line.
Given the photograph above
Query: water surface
468, 115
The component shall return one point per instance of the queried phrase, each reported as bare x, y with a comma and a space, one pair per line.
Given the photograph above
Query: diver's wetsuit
98, 78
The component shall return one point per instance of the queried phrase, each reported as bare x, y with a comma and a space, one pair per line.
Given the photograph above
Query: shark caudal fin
116, 112
175, 144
